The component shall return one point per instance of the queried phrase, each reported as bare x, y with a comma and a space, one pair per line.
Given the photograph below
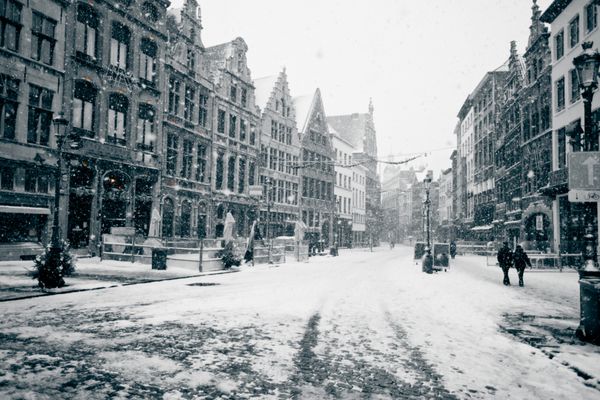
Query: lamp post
268, 185
427, 259
587, 64
53, 275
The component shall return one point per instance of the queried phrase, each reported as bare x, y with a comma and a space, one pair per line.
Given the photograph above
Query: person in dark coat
521, 261
505, 259
452, 249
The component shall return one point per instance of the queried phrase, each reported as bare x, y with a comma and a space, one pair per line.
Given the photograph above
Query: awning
513, 222
482, 228
24, 210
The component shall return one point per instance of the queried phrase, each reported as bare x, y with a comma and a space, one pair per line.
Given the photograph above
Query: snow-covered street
362, 325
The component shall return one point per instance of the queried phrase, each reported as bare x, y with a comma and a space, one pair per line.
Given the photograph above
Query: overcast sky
418, 60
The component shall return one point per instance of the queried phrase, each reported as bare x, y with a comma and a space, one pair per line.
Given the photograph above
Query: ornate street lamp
52, 276
427, 259
587, 64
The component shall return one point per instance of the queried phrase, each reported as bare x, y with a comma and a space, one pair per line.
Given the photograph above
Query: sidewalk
90, 274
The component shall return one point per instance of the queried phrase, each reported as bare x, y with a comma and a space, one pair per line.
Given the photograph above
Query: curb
43, 294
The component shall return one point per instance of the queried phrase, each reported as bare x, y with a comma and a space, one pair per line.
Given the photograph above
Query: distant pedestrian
505, 259
452, 249
521, 261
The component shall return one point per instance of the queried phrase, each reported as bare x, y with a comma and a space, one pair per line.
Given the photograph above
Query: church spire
371, 108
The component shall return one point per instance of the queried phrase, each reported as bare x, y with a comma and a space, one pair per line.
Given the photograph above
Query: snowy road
362, 325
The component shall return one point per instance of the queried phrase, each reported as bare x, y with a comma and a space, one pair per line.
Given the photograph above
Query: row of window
281, 133
189, 101
88, 39
316, 189
233, 95
84, 110
33, 180
245, 133
313, 219
343, 181
343, 204
591, 23
278, 160
193, 161
316, 161
358, 218
244, 170
358, 198
280, 191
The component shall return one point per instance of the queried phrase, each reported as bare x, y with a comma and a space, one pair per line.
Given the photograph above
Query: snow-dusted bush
50, 275
230, 255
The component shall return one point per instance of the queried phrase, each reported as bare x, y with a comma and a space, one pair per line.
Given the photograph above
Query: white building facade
343, 188
359, 188
572, 23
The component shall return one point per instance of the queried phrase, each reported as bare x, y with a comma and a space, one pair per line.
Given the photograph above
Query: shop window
40, 115
168, 215
186, 219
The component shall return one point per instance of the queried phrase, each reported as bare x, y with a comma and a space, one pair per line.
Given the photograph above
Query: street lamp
53, 274
427, 259
268, 186
587, 64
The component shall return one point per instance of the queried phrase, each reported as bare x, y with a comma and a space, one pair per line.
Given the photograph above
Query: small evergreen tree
50, 276
229, 255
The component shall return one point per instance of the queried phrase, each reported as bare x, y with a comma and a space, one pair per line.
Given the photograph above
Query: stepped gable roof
352, 128
263, 89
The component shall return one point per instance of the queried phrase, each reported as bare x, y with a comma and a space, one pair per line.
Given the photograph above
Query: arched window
168, 215
186, 219
117, 119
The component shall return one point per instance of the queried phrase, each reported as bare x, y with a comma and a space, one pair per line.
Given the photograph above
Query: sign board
255, 190
584, 176
539, 222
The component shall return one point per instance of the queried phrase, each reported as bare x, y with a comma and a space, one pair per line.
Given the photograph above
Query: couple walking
518, 259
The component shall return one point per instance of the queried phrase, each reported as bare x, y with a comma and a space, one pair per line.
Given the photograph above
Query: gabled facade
32, 80
537, 220
187, 129
112, 99
280, 152
485, 100
317, 172
359, 130
508, 174
235, 137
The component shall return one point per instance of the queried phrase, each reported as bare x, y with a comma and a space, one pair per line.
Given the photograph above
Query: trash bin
159, 258
589, 325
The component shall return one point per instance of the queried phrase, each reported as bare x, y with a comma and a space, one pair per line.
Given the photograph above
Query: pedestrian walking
452, 250
521, 261
505, 259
